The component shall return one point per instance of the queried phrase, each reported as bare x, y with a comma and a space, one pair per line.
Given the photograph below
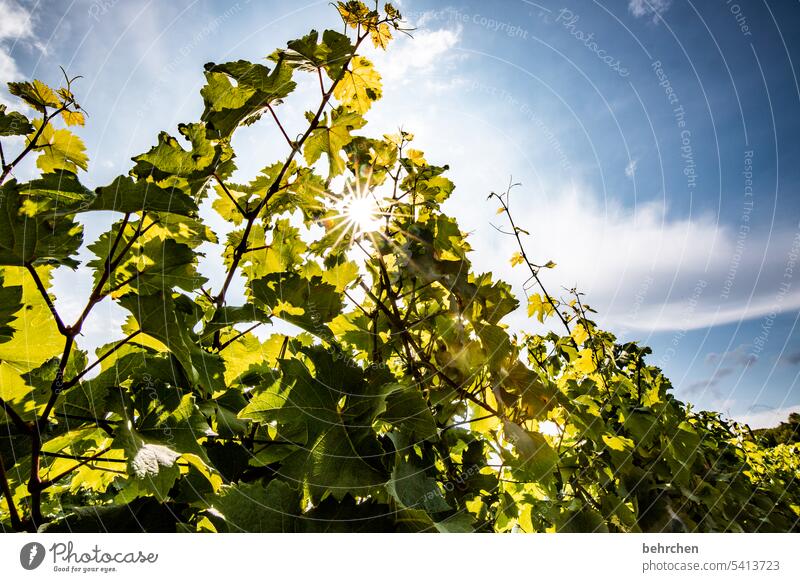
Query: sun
359, 210
362, 212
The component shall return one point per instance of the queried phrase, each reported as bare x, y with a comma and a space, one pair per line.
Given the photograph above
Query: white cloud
643, 269
8, 68
16, 21
630, 169
766, 418
15, 24
430, 54
642, 8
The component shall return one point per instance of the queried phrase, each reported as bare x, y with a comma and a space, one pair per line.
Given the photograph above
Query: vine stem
43, 291
35, 483
534, 272
228, 194
280, 126
32, 143
275, 187
12, 509
421, 354
105, 355
81, 463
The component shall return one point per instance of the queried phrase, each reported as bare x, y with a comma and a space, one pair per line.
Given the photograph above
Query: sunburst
360, 210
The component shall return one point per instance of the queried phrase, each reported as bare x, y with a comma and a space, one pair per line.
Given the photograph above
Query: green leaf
228, 105
308, 54
406, 410
13, 123
126, 195
348, 516
35, 337
583, 520
36, 94
30, 234
10, 303
360, 87
168, 159
536, 458
60, 149
307, 303
61, 190
618, 443
330, 138
253, 507
140, 515
539, 307
412, 488
336, 407
162, 318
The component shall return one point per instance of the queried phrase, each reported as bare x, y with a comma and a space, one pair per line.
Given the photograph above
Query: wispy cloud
429, 57
647, 8
630, 169
791, 359
767, 418
15, 24
726, 364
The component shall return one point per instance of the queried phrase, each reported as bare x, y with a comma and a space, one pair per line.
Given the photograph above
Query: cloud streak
15, 24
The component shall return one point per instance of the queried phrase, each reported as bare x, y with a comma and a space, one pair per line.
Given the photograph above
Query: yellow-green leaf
60, 149
360, 86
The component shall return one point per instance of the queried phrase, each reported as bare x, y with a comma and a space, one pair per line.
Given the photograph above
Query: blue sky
655, 142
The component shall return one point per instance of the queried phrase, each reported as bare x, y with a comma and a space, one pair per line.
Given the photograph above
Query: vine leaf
360, 86
330, 138
60, 149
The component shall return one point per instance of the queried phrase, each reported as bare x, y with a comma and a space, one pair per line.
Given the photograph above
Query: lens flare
362, 212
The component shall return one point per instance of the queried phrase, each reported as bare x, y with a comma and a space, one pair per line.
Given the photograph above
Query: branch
100, 422
602, 371
111, 264
228, 193
238, 335
321, 85
110, 351
423, 360
126, 281
275, 187
82, 457
43, 291
84, 460
283, 131
57, 387
477, 419
12, 509
534, 273
32, 143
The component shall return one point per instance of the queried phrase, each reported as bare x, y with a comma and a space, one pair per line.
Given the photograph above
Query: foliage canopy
400, 401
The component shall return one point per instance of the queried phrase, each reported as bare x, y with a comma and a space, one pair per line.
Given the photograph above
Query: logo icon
31, 555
